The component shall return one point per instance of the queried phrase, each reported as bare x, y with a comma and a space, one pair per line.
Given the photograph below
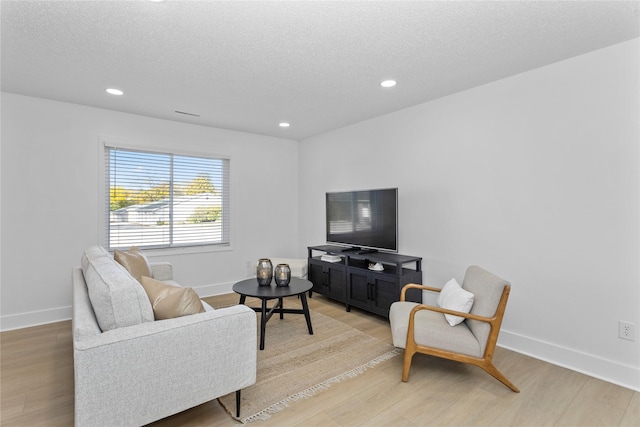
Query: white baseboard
212, 290
607, 370
34, 318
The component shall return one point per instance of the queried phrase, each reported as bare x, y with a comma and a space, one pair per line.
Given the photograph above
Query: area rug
295, 365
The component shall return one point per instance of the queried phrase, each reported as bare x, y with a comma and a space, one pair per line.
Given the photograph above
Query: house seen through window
161, 200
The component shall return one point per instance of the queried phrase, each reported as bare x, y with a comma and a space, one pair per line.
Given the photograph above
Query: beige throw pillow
170, 301
134, 261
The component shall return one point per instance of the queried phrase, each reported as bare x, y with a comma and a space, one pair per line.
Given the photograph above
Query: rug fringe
312, 391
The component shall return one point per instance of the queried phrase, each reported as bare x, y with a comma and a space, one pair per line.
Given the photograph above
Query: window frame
103, 200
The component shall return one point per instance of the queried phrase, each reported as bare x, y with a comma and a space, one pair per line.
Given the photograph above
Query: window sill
153, 253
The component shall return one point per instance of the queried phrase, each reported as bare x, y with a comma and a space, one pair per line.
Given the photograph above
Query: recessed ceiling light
284, 125
388, 83
115, 91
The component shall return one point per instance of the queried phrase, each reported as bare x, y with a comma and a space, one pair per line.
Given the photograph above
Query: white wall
51, 204
535, 178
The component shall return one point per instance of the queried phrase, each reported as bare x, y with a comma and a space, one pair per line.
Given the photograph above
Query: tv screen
363, 219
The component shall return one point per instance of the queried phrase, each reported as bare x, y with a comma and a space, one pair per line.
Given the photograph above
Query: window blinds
160, 200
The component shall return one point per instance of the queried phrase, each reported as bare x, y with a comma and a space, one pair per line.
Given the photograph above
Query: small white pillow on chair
453, 297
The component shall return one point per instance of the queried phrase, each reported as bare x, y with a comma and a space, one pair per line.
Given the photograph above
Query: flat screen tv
363, 219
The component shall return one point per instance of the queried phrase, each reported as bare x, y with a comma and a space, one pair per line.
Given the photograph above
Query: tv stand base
366, 251
360, 251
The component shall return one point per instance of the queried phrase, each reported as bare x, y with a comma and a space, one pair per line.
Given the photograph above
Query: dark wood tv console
351, 281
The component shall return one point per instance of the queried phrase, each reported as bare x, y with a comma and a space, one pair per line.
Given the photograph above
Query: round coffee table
250, 288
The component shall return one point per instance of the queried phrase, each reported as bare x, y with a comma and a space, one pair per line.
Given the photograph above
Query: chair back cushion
487, 289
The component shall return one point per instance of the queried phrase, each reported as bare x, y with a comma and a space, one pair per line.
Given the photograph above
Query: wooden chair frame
485, 362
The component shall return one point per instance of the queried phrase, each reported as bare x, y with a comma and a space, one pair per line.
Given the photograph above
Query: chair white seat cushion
431, 330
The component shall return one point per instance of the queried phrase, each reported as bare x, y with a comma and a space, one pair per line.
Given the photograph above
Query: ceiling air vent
187, 114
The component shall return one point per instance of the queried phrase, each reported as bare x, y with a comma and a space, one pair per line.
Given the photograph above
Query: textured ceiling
250, 65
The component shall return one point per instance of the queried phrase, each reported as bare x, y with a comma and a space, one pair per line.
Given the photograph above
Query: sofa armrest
230, 315
155, 369
162, 270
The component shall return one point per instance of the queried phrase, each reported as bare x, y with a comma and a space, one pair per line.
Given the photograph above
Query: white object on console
331, 258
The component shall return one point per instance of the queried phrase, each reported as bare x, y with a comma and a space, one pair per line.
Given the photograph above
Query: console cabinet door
358, 289
316, 276
384, 292
374, 292
336, 281
328, 279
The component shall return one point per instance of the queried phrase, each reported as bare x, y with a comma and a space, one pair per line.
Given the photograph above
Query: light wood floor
37, 388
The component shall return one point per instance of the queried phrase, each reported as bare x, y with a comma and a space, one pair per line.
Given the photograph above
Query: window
162, 200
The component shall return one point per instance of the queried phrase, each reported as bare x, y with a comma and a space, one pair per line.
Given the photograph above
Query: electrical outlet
626, 330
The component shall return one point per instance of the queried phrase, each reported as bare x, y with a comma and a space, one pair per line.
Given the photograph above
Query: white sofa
141, 370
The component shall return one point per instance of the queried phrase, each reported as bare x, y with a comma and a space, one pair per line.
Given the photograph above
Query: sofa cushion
134, 261
169, 301
117, 299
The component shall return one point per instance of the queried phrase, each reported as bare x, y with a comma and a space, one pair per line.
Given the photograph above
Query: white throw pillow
453, 297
